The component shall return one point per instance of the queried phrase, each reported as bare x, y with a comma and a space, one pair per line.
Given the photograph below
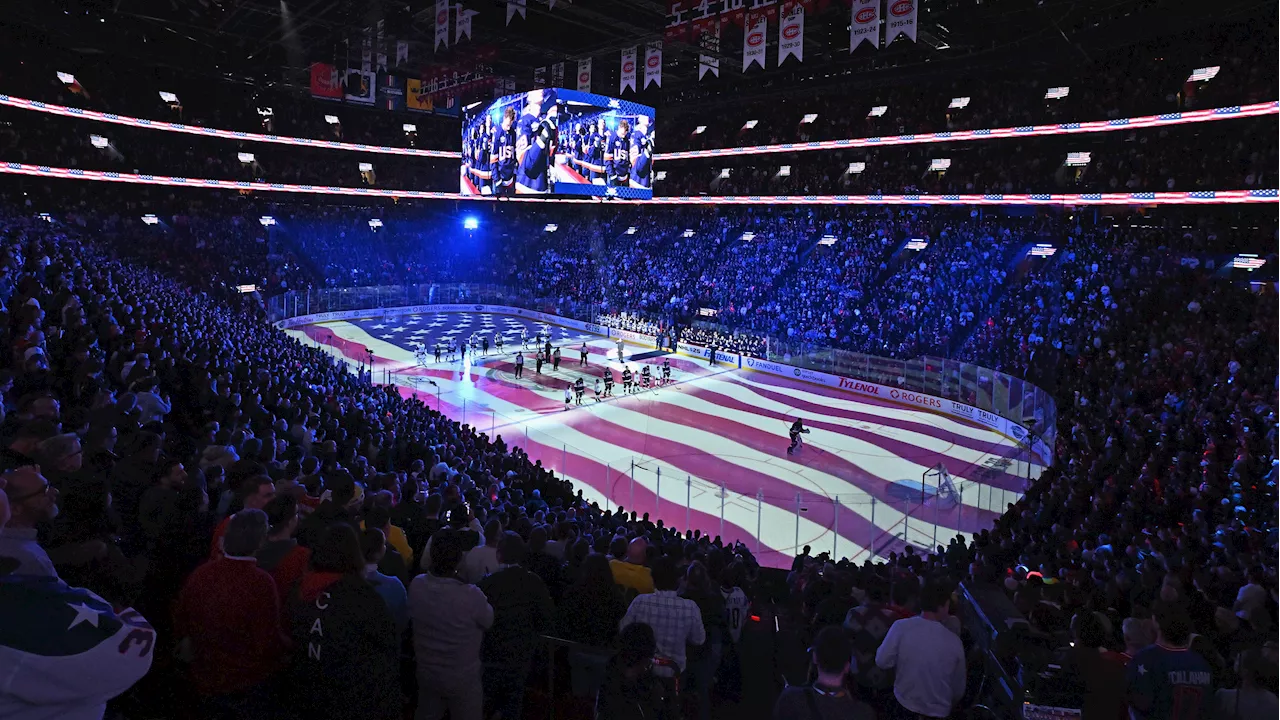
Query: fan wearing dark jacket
522, 610
345, 661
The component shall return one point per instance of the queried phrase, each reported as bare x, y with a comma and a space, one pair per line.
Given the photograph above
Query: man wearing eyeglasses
31, 502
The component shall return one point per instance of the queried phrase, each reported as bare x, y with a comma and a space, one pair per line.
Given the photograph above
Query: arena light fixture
169, 97
878, 111
958, 102
470, 223
855, 168
331, 119
827, 240
939, 164
750, 124
1203, 74
808, 118
917, 244
1057, 93
748, 236
366, 167
1077, 159
551, 227
700, 129
631, 230
246, 158
724, 172
784, 171
98, 141
375, 223
267, 221
409, 128
150, 219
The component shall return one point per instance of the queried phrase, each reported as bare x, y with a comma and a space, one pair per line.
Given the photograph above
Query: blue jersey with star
1178, 683
531, 172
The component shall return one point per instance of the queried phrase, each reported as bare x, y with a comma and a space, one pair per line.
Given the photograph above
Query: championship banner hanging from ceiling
864, 24
653, 64
325, 81
791, 32
557, 75
900, 20
515, 7
709, 45
584, 75
753, 40
442, 23
540, 77
380, 46
463, 26
628, 81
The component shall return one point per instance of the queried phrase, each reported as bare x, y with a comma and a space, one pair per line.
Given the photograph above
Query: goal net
937, 490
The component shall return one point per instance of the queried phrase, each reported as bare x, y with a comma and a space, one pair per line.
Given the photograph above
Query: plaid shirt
676, 622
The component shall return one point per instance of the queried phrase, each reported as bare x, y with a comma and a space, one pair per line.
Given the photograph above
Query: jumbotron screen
558, 142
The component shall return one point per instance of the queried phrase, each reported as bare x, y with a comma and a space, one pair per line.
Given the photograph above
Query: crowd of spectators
177, 456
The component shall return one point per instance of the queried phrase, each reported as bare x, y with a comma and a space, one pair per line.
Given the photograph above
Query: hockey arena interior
607, 360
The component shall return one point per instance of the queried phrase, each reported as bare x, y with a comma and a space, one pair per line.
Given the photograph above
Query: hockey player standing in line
582, 351
608, 382
626, 380
579, 387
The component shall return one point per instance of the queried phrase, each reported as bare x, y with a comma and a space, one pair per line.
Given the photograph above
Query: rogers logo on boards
790, 32
859, 386
902, 7
916, 398
865, 15
628, 67
653, 61
755, 39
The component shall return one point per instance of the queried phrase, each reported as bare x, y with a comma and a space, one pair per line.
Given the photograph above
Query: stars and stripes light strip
1203, 197
74, 112
1073, 128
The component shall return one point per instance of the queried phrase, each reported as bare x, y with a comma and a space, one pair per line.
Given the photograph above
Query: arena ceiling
276, 40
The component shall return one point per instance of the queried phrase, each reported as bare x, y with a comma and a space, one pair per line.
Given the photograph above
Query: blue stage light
470, 223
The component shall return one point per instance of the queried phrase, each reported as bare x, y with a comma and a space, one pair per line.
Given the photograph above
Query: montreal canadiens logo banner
791, 33
753, 44
628, 70
865, 25
653, 64
900, 20
584, 75
442, 23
